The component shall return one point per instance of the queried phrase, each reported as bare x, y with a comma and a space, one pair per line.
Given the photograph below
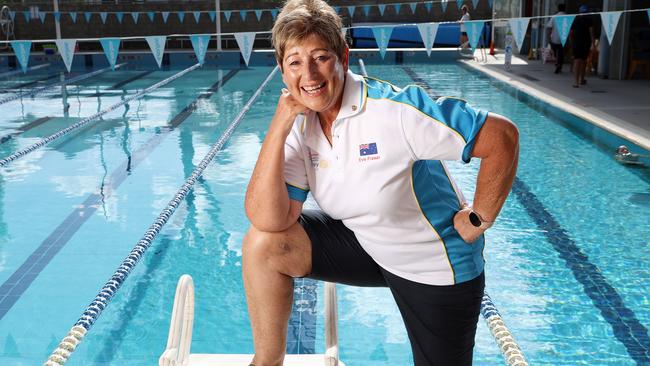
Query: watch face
474, 219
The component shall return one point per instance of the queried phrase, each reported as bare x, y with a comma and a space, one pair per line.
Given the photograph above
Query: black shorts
440, 320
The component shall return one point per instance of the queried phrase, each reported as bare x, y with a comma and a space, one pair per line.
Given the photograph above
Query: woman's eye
322, 58
293, 63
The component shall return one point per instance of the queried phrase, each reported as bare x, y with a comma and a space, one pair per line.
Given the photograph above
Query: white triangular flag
610, 21
66, 50
200, 45
157, 45
245, 42
518, 28
428, 33
382, 36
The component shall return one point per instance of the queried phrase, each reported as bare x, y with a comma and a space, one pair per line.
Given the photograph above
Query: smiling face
314, 74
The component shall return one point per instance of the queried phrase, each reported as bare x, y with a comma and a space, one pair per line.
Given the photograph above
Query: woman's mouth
314, 90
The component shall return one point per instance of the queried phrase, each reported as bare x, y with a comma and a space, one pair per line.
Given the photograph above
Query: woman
390, 215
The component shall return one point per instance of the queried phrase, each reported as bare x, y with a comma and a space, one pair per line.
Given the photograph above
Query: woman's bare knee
285, 252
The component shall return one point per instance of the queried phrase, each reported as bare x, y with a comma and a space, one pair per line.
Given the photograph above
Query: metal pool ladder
177, 352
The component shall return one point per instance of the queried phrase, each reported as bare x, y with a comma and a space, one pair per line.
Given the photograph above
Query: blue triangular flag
226, 14
258, 14
22, 49
73, 16
103, 15
111, 48
413, 6
474, 29
563, 25
151, 15
87, 16
518, 28
429, 5
382, 8
245, 42
490, 3
165, 16
242, 15
428, 33
397, 8
157, 45
181, 16
610, 22
42, 16
274, 13
200, 45
351, 10
474, 4
337, 9
443, 5
213, 15
366, 10
27, 16
66, 50
120, 16
197, 15
12, 15
382, 36
459, 3
135, 15
57, 16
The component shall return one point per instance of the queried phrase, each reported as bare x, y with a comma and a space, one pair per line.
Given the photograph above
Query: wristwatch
478, 221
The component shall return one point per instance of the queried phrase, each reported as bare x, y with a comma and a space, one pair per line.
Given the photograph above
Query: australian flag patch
368, 149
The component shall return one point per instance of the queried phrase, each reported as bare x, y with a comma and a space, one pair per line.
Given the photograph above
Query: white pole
56, 21
217, 6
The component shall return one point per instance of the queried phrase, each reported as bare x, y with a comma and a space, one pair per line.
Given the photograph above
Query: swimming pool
565, 262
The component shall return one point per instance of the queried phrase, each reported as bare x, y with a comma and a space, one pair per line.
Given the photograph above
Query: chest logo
368, 152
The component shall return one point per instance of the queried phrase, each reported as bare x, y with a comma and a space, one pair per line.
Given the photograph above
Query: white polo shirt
383, 176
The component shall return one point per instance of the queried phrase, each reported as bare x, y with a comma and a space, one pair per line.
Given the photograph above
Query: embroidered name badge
368, 149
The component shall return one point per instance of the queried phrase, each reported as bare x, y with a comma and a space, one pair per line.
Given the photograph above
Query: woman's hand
286, 112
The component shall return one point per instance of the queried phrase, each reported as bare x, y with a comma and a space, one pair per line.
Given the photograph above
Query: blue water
564, 261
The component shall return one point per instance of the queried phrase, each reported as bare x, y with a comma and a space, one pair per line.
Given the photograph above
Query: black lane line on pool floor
27, 84
115, 89
627, 327
25, 128
21, 279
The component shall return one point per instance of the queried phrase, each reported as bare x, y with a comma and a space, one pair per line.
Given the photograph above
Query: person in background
582, 40
463, 30
555, 41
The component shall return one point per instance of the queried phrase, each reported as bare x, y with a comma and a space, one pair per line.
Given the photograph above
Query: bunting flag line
428, 33
610, 22
57, 16
474, 29
181, 16
351, 10
213, 15
366, 10
397, 8
42, 16
200, 45
151, 15
459, 3
87, 17
382, 36
27, 16
429, 6
337, 9
12, 15
103, 15
274, 13
242, 15
382, 8
73, 16
111, 47
197, 15
245, 41
563, 24
518, 28
413, 6
443, 5
22, 49
474, 4
66, 50
227, 14
258, 14
165, 16
490, 3
135, 15
157, 45
120, 16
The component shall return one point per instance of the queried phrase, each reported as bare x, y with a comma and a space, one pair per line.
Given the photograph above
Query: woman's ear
346, 59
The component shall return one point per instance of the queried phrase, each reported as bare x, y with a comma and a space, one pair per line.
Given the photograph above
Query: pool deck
619, 106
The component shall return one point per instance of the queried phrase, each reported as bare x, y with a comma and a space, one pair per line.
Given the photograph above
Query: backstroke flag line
563, 24
200, 45
111, 47
518, 27
428, 33
474, 30
21, 49
245, 42
157, 45
66, 50
610, 21
382, 36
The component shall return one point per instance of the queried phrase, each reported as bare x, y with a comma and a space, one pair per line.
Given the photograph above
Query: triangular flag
87, 16
73, 16
518, 28
151, 15
181, 16
245, 42
382, 8
57, 16
397, 7
474, 4
157, 45
428, 33
42, 16
135, 15
337, 9
120, 16
563, 25
165, 15
197, 15
649, 15
22, 49
459, 3
213, 15
351, 10
12, 15
413, 6
443, 5
382, 36
66, 50
610, 21
474, 29
490, 3
27, 16
111, 48
258, 14
242, 15
103, 15
274, 13
226, 14
366, 10
200, 45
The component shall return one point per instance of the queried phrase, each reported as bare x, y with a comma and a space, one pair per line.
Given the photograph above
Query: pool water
565, 260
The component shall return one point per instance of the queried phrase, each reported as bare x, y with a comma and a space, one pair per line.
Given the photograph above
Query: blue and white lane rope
76, 334
20, 71
42, 89
509, 348
95, 116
